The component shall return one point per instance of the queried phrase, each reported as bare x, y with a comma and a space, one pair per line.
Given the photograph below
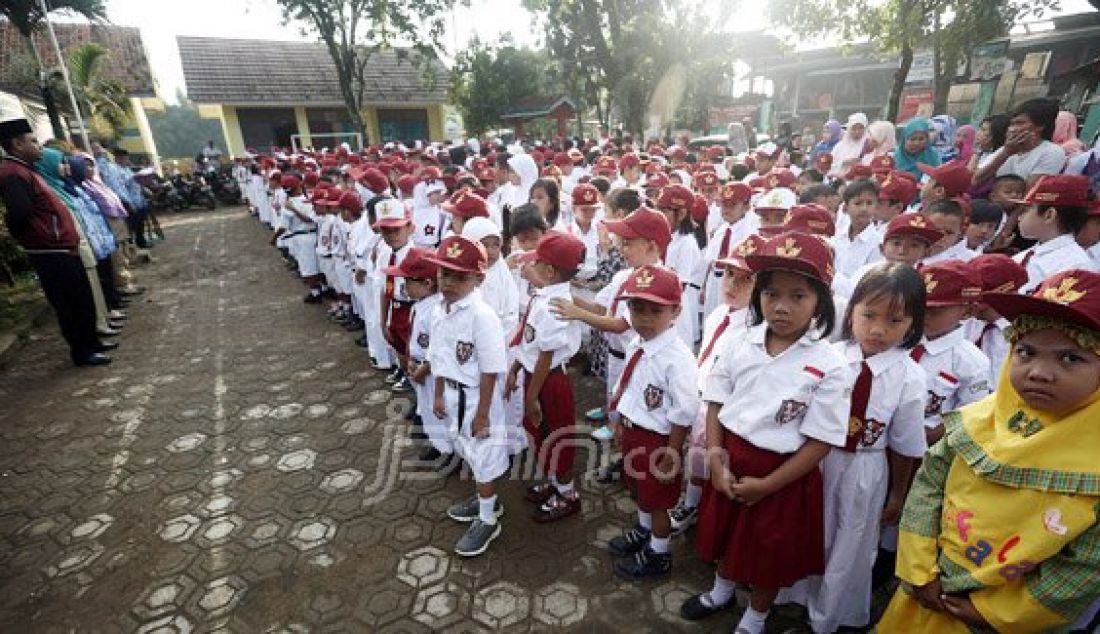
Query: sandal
539, 493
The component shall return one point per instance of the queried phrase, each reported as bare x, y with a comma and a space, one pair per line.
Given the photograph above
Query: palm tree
103, 100
27, 15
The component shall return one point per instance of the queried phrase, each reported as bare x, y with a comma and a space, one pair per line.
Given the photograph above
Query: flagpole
65, 74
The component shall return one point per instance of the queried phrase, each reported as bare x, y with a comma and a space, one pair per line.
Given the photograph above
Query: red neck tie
389, 278
985, 331
861, 396
917, 353
724, 250
714, 339
1027, 258
518, 337
624, 379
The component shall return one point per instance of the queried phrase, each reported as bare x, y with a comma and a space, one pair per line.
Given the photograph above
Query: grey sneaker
477, 538
468, 510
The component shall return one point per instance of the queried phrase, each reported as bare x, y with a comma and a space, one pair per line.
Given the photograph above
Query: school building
126, 62
269, 93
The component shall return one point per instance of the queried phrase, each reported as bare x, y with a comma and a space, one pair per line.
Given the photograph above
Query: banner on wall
916, 102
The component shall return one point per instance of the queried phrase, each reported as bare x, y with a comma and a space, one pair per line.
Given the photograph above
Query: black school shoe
629, 543
694, 609
644, 565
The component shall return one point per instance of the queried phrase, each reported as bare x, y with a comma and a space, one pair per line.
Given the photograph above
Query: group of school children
814, 376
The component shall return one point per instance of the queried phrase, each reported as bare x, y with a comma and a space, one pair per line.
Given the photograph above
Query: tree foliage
352, 30
951, 28
104, 101
620, 51
180, 132
488, 80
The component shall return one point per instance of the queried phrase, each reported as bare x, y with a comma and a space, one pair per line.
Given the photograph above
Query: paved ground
240, 468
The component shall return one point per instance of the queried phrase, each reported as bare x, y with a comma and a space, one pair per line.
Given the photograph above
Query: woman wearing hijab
944, 138
96, 218
852, 146
830, 135
882, 140
110, 205
49, 167
916, 147
1065, 133
964, 143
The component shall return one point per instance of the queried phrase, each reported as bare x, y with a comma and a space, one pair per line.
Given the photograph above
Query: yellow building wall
302, 119
435, 122
231, 129
137, 136
370, 119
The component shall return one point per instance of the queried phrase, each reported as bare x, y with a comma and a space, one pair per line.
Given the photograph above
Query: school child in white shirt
998, 273
350, 208
725, 320
985, 219
777, 399
958, 373
463, 206
944, 182
857, 244
736, 225
1057, 210
467, 357
864, 486
1089, 235
419, 272
657, 403
544, 345
772, 206
684, 257
907, 239
395, 306
302, 238
585, 199
430, 219
949, 216
325, 209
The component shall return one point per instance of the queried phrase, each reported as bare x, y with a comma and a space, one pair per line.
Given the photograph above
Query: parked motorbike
195, 191
225, 187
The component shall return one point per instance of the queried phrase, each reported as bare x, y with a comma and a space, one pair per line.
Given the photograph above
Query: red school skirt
772, 544
553, 438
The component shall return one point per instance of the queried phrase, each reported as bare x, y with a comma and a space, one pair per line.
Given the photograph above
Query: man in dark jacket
42, 224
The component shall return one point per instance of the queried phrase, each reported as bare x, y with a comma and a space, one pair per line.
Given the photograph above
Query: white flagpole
65, 75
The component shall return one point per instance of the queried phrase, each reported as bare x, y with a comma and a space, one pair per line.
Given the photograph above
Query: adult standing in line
1028, 151
46, 229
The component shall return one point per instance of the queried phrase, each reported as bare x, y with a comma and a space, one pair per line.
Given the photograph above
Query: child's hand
420, 374
617, 429
564, 309
510, 385
438, 408
962, 608
479, 428
891, 513
722, 480
532, 411
360, 276
931, 595
749, 491
667, 467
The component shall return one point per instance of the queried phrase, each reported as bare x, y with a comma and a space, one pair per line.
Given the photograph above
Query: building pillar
561, 117
231, 128
435, 122
302, 119
373, 129
142, 123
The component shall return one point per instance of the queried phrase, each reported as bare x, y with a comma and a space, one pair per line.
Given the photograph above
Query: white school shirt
465, 341
362, 239
776, 403
325, 225
616, 308
957, 251
1094, 256
895, 410
1049, 258
431, 224
421, 335
500, 292
383, 261
591, 241
661, 391
686, 259
957, 374
851, 255
304, 207
739, 321
992, 342
545, 332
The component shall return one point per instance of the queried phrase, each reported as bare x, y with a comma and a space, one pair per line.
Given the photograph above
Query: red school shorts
642, 449
552, 439
400, 327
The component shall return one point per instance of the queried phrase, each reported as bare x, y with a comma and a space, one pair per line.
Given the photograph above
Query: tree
179, 130
488, 80
950, 27
104, 101
26, 16
353, 30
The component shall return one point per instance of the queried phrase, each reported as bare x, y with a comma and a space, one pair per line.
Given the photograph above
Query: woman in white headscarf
882, 140
523, 174
852, 146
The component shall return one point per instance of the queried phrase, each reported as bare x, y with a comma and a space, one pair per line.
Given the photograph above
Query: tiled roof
127, 63
261, 72
537, 106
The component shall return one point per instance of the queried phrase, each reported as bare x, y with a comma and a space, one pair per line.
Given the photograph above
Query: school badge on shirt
654, 396
934, 404
528, 333
872, 431
789, 411
463, 351
422, 340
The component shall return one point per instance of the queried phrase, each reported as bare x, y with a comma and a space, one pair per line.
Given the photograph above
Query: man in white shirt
1028, 151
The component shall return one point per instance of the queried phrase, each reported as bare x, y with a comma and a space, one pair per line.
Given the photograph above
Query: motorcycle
195, 192
225, 187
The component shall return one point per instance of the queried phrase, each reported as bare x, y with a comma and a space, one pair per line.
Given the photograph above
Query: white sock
554, 481
645, 520
564, 488
694, 494
486, 506
658, 544
721, 593
753, 621
315, 291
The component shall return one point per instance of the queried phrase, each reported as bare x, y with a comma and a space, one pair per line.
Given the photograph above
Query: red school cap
1058, 190
466, 204
645, 223
653, 283
954, 177
1072, 296
998, 273
798, 252
417, 264
915, 225
735, 192
459, 253
950, 283
585, 195
560, 250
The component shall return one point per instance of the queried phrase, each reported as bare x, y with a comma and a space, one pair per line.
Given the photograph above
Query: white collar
939, 344
878, 363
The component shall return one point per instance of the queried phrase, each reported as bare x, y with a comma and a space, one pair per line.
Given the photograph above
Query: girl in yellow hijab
1001, 528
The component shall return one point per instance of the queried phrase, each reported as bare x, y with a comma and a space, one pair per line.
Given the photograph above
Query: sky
161, 21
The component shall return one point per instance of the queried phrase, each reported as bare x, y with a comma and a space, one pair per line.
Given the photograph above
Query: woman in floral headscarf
830, 136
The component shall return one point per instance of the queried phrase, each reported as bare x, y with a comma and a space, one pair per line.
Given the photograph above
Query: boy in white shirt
1057, 210
736, 225
949, 216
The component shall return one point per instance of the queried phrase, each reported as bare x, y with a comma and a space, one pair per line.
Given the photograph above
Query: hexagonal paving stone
309, 534
75, 559
256, 411
357, 426
342, 480
422, 567
501, 605
220, 595
317, 411
219, 504
92, 527
179, 529
381, 607
667, 599
164, 596
284, 412
441, 606
219, 529
296, 460
187, 442
221, 479
177, 624
559, 605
